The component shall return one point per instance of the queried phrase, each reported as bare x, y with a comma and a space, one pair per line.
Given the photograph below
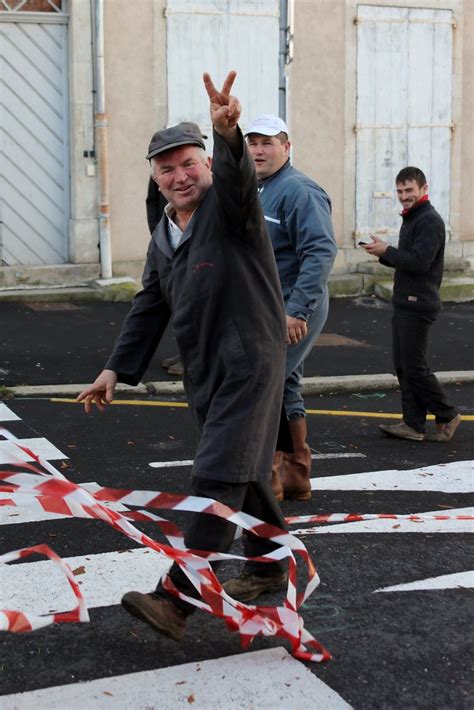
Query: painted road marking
41, 587
328, 412
384, 525
11, 453
459, 580
11, 515
6, 414
265, 679
189, 462
454, 477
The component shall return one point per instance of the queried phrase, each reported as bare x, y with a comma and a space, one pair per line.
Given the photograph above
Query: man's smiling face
409, 193
183, 175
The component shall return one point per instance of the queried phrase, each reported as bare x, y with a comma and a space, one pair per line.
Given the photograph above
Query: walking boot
159, 613
277, 486
445, 430
297, 466
247, 586
401, 431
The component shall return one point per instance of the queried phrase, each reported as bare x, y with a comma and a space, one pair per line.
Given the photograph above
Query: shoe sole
140, 613
298, 496
392, 435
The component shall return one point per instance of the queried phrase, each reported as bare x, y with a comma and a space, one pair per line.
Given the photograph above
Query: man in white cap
297, 212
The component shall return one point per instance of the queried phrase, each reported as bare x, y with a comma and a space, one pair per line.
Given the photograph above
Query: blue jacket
298, 216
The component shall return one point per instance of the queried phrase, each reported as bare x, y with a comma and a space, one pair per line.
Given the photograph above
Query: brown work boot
249, 586
277, 486
401, 431
159, 613
445, 430
297, 466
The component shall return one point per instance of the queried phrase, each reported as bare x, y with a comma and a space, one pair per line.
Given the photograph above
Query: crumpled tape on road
48, 490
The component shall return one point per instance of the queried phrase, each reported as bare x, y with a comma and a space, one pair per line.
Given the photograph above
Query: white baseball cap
267, 125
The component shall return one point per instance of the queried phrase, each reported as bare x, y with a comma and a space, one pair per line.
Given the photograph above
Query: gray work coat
222, 291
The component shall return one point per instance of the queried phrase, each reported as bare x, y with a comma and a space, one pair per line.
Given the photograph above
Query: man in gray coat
298, 216
210, 268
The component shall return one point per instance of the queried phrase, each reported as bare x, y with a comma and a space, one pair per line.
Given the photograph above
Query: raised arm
235, 180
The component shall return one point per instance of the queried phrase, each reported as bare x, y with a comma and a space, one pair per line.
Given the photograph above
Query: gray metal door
34, 151
404, 97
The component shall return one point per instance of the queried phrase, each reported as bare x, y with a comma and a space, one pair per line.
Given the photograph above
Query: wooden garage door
216, 36
34, 166
404, 97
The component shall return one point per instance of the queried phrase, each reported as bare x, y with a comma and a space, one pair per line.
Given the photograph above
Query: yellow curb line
325, 412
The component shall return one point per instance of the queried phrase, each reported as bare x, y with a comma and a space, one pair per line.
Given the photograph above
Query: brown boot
297, 466
277, 486
160, 613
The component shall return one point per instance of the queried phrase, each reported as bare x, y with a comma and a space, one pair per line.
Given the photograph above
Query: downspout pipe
101, 140
282, 59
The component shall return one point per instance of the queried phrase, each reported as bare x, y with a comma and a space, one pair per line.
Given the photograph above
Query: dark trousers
208, 532
421, 391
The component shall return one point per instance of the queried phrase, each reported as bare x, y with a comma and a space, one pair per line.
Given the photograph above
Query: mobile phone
365, 240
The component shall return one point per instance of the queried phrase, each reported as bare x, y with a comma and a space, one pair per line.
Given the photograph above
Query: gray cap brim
164, 148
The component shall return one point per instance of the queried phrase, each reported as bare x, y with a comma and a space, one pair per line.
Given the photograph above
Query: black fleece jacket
418, 260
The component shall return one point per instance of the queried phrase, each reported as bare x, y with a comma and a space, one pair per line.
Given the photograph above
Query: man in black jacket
210, 269
418, 264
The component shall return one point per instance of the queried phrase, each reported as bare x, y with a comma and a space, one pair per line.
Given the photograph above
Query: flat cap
185, 133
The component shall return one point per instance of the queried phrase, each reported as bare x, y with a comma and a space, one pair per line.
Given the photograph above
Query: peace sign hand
225, 109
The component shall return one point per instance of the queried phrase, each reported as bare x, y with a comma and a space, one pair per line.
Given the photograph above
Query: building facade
366, 88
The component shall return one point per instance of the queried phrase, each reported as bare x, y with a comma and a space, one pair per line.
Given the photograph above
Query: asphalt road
68, 343
399, 649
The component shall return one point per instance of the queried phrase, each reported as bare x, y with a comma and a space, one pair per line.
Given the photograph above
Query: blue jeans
295, 357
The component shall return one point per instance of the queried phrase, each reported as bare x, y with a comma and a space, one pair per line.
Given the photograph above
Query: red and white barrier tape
356, 517
48, 490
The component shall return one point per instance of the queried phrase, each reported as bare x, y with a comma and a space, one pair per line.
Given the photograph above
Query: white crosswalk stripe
11, 453
455, 477
104, 578
266, 679
385, 525
6, 414
460, 580
315, 457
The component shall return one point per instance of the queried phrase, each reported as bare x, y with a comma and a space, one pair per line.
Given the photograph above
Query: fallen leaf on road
79, 570
191, 699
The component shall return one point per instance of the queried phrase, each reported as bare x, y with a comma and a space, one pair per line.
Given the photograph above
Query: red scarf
425, 198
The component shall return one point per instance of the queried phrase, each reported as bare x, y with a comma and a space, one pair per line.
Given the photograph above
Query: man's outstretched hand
100, 392
225, 109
